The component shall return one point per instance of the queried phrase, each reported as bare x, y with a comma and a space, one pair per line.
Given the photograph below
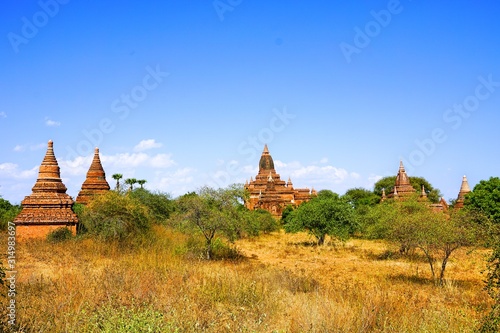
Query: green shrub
221, 251
7, 213
115, 216
128, 319
160, 205
59, 235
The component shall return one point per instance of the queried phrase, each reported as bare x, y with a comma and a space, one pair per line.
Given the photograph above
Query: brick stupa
402, 187
464, 189
48, 207
271, 193
95, 182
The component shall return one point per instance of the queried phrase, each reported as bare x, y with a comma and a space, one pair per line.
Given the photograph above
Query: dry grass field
283, 283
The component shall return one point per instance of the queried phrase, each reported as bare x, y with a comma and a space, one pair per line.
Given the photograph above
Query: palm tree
130, 182
142, 182
117, 177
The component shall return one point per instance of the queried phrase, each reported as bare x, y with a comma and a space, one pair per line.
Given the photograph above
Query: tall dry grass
284, 284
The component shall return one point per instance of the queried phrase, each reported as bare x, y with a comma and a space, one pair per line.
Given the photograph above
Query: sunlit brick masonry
49, 206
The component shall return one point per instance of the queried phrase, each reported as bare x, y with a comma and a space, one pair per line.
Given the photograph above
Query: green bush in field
160, 205
127, 319
59, 235
115, 216
7, 212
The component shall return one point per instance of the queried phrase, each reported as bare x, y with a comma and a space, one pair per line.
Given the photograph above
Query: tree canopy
412, 224
485, 197
7, 212
326, 214
387, 183
213, 211
115, 216
362, 197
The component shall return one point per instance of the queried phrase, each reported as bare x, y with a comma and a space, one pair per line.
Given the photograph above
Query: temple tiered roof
402, 187
464, 189
95, 182
48, 204
268, 191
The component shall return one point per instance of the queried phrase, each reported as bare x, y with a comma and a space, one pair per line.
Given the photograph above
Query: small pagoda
268, 191
95, 182
402, 188
464, 189
48, 207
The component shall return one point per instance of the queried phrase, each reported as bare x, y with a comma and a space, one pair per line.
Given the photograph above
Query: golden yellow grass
284, 284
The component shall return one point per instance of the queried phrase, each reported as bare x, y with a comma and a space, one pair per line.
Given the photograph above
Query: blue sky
186, 93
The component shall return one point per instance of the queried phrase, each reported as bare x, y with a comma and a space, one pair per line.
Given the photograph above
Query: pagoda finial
95, 181
402, 177
423, 194
464, 188
266, 150
383, 194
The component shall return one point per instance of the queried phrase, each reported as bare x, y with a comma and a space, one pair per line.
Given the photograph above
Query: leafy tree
115, 216
212, 211
160, 205
117, 177
412, 224
491, 323
485, 197
7, 212
130, 182
326, 214
362, 197
387, 183
142, 182
257, 221
286, 213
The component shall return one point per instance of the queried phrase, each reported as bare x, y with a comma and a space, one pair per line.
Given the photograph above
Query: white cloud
147, 144
134, 160
19, 148
52, 123
38, 146
11, 170
372, 179
355, 175
161, 161
3, 115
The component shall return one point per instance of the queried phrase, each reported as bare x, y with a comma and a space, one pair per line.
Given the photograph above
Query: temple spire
266, 162
464, 189
402, 177
95, 182
423, 194
48, 207
402, 185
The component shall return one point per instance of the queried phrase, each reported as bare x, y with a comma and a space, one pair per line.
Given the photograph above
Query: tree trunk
443, 266
209, 250
430, 259
321, 239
